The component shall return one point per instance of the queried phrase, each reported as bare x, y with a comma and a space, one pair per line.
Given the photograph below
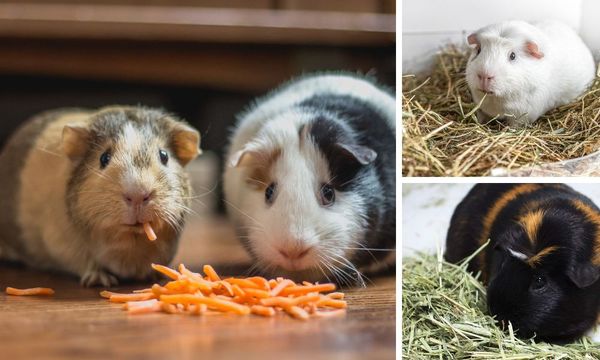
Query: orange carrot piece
261, 282
243, 283
29, 291
306, 283
143, 290
149, 231
237, 291
297, 312
168, 272
301, 290
310, 298
336, 295
214, 303
168, 308
339, 304
211, 273
280, 286
120, 298
262, 310
277, 301
272, 283
227, 287
261, 294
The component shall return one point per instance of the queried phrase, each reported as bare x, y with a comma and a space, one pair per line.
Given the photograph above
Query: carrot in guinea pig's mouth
149, 231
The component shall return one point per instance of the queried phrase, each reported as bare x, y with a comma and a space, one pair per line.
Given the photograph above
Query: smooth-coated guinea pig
77, 185
311, 183
542, 264
527, 69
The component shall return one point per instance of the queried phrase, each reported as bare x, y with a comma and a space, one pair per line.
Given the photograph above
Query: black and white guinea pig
311, 179
542, 264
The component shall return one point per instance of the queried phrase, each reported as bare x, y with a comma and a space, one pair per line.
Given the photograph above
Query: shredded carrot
280, 286
301, 290
262, 310
121, 298
168, 272
149, 231
192, 293
29, 291
211, 273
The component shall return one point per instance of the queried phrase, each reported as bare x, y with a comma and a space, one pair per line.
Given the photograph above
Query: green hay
442, 137
444, 316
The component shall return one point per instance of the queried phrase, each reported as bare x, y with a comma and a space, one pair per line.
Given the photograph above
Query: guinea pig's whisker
364, 249
258, 182
323, 271
242, 212
349, 265
50, 152
340, 275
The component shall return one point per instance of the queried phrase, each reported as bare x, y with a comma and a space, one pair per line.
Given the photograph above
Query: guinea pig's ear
358, 153
253, 154
583, 275
75, 140
533, 50
186, 143
472, 39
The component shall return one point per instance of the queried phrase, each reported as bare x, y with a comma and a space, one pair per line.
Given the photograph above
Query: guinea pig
310, 181
77, 186
525, 69
542, 264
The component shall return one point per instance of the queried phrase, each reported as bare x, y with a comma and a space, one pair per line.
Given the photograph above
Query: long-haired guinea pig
311, 179
77, 185
542, 264
527, 69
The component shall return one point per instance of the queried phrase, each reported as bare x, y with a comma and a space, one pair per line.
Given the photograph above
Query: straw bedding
442, 137
444, 317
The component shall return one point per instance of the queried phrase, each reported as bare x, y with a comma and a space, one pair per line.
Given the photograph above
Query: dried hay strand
442, 137
444, 316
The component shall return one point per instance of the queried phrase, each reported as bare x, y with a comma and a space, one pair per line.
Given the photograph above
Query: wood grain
76, 323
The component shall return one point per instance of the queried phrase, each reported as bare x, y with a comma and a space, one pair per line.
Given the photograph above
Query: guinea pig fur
78, 184
542, 264
311, 179
525, 69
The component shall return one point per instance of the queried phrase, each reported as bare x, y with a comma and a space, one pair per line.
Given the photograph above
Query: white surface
427, 208
429, 25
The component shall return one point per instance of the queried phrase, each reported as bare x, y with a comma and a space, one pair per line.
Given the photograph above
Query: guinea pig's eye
164, 157
327, 195
477, 50
512, 56
270, 193
104, 159
538, 282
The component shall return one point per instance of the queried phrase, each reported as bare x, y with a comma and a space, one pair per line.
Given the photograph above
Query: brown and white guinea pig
310, 182
543, 261
77, 185
527, 69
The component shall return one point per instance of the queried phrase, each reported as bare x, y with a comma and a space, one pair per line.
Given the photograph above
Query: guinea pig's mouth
488, 92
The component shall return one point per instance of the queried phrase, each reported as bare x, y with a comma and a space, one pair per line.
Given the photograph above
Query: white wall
428, 25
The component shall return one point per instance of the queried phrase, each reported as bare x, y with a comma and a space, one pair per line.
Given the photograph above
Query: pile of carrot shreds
192, 293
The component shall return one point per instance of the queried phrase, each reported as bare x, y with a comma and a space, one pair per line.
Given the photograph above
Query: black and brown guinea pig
311, 179
541, 266
80, 187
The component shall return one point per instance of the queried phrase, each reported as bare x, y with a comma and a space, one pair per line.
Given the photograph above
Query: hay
442, 137
444, 317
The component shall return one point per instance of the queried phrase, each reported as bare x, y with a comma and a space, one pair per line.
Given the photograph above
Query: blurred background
203, 60
429, 25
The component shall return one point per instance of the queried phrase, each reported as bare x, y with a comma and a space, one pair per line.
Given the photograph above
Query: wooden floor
76, 323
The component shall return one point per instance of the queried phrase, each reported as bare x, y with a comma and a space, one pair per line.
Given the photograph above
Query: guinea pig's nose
295, 253
485, 76
137, 197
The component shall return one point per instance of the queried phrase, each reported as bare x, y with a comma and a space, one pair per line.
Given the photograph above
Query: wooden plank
76, 323
241, 68
371, 6
240, 4
195, 24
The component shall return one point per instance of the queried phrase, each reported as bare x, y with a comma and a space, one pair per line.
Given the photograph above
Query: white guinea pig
527, 69
310, 182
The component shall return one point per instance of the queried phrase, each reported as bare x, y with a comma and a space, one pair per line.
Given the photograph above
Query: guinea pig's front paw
95, 276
